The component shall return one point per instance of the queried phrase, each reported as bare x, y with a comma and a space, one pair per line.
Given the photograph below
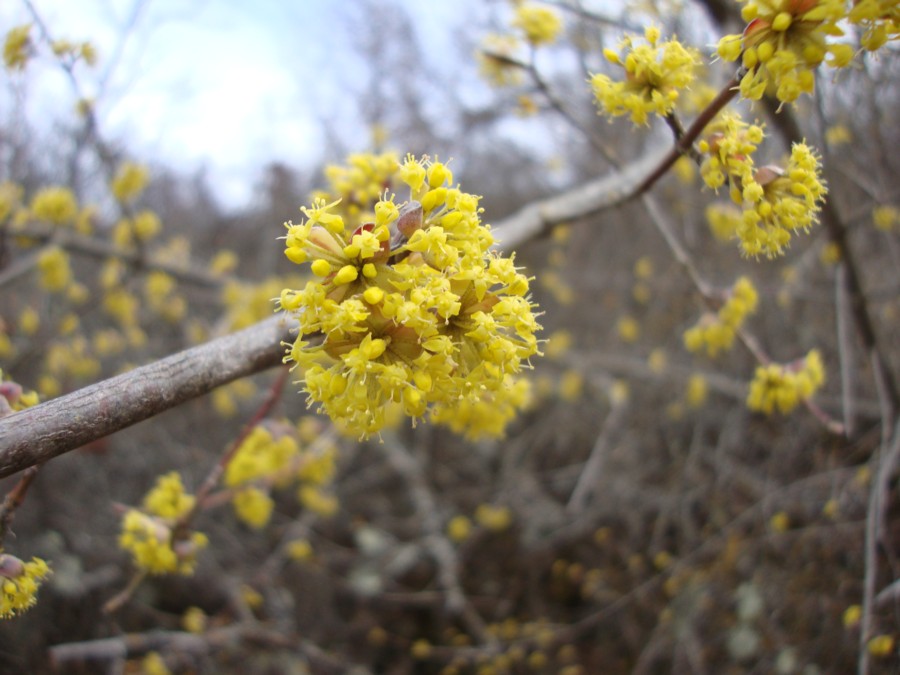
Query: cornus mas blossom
784, 42
149, 533
19, 583
655, 74
776, 202
412, 306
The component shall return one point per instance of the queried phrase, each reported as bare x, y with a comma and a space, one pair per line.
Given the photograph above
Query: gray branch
49, 429
538, 218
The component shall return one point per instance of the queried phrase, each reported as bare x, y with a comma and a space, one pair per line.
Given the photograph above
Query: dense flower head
783, 387
775, 202
168, 499
54, 269
655, 75
411, 304
716, 332
129, 182
879, 21
149, 534
55, 204
784, 42
359, 183
17, 47
541, 25
780, 202
19, 583
262, 453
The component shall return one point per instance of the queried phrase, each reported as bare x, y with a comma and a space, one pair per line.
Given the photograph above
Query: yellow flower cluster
728, 151
776, 202
143, 227
886, 217
148, 534
785, 386
655, 74
723, 220
56, 205
129, 182
488, 415
19, 583
412, 306
879, 21
716, 332
160, 291
261, 455
17, 47
780, 202
541, 25
75, 50
71, 359
270, 457
53, 266
360, 183
784, 42
247, 303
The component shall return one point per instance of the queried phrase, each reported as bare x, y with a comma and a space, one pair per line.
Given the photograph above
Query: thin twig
215, 474
14, 499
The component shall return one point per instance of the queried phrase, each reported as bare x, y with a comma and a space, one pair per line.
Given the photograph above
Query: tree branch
50, 429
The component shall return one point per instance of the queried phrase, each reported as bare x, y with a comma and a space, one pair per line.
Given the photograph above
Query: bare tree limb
50, 429
537, 218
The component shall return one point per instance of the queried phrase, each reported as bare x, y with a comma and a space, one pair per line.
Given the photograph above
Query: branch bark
63, 424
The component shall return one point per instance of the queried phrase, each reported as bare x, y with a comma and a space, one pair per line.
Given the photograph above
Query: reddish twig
14, 499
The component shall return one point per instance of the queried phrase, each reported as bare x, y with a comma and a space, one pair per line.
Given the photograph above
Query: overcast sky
228, 84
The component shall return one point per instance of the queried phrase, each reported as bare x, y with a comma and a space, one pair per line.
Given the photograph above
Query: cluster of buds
716, 332
154, 535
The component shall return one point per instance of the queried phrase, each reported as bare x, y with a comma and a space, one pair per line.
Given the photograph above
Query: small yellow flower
459, 528
655, 74
421, 650
129, 182
55, 273
780, 522
194, 620
168, 499
19, 583
493, 518
852, 615
253, 506
886, 217
17, 47
154, 664
541, 25
881, 646
783, 387
56, 205
716, 333
697, 391
783, 43
571, 385
628, 328
300, 550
